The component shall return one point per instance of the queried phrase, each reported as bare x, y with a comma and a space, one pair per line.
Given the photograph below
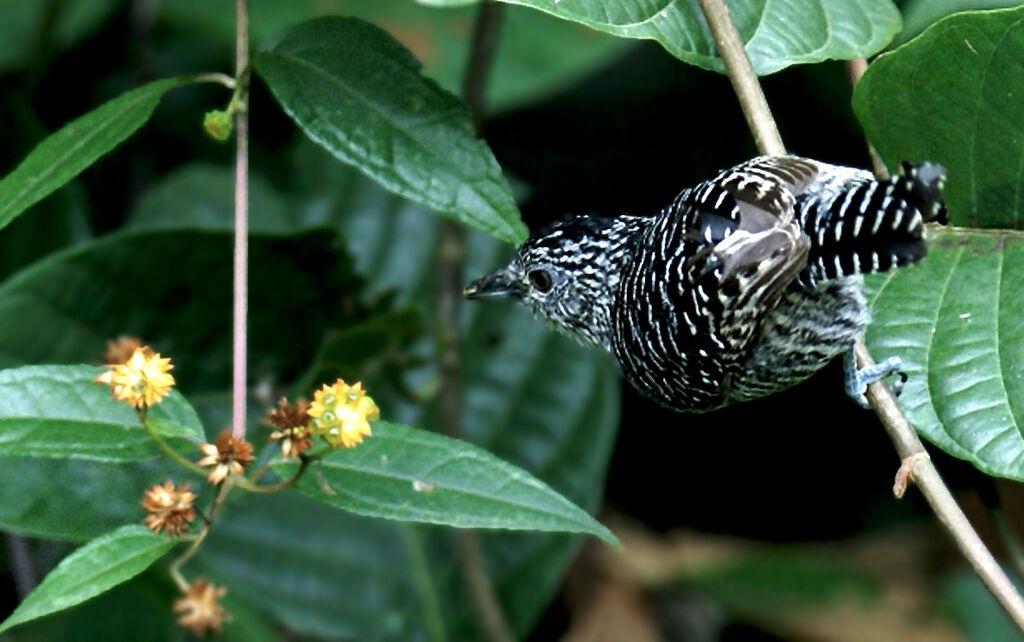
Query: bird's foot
858, 379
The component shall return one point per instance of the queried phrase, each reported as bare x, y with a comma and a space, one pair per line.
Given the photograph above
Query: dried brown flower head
229, 456
292, 423
120, 350
170, 509
199, 609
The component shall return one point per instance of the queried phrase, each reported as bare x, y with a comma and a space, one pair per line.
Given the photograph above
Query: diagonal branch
917, 466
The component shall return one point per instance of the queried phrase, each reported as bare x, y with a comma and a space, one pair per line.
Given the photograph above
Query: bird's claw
858, 379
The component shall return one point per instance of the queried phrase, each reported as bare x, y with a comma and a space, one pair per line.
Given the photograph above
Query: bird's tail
873, 226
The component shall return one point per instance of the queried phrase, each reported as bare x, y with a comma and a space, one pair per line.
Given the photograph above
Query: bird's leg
858, 380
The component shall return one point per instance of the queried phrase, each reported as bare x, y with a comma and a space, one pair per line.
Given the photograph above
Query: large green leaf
955, 319
59, 411
358, 93
775, 34
96, 567
65, 153
919, 14
952, 96
420, 476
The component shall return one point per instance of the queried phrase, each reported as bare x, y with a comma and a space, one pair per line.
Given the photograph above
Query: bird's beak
496, 284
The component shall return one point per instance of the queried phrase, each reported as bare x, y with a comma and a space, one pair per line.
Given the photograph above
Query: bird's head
568, 273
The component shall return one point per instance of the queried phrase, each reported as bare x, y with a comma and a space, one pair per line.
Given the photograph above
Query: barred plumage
745, 285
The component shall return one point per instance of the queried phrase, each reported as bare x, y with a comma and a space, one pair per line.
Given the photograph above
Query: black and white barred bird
745, 285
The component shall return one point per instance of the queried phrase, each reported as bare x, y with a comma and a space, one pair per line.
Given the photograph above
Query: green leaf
65, 153
920, 14
96, 567
775, 35
59, 411
955, 321
359, 94
952, 96
420, 476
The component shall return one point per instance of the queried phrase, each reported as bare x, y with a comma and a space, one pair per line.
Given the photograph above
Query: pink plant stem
241, 294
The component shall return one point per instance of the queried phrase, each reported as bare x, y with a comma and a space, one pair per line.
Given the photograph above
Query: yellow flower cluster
342, 414
143, 380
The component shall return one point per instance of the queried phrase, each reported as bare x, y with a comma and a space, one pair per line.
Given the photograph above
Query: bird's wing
743, 246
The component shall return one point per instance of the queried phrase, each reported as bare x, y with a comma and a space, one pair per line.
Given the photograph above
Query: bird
743, 286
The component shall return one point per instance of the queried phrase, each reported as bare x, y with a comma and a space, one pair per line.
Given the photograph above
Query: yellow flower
200, 611
292, 423
229, 456
142, 381
342, 414
170, 509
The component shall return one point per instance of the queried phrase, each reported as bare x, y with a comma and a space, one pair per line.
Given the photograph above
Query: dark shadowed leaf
98, 566
168, 288
77, 500
953, 96
358, 93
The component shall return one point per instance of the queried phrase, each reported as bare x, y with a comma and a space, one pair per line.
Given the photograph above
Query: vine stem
916, 465
241, 247
451, 250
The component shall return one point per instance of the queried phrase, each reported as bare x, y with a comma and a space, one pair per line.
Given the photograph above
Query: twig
241, 254
175, 568
22, 568
854, 70
450, 254
744, 80
918, 466
171, 452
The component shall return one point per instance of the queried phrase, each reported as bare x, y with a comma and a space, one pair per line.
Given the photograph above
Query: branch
22, 567
241, 253
744, 80
450, 254
916, 463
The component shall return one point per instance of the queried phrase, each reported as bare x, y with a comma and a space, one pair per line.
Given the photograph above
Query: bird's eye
540, 280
